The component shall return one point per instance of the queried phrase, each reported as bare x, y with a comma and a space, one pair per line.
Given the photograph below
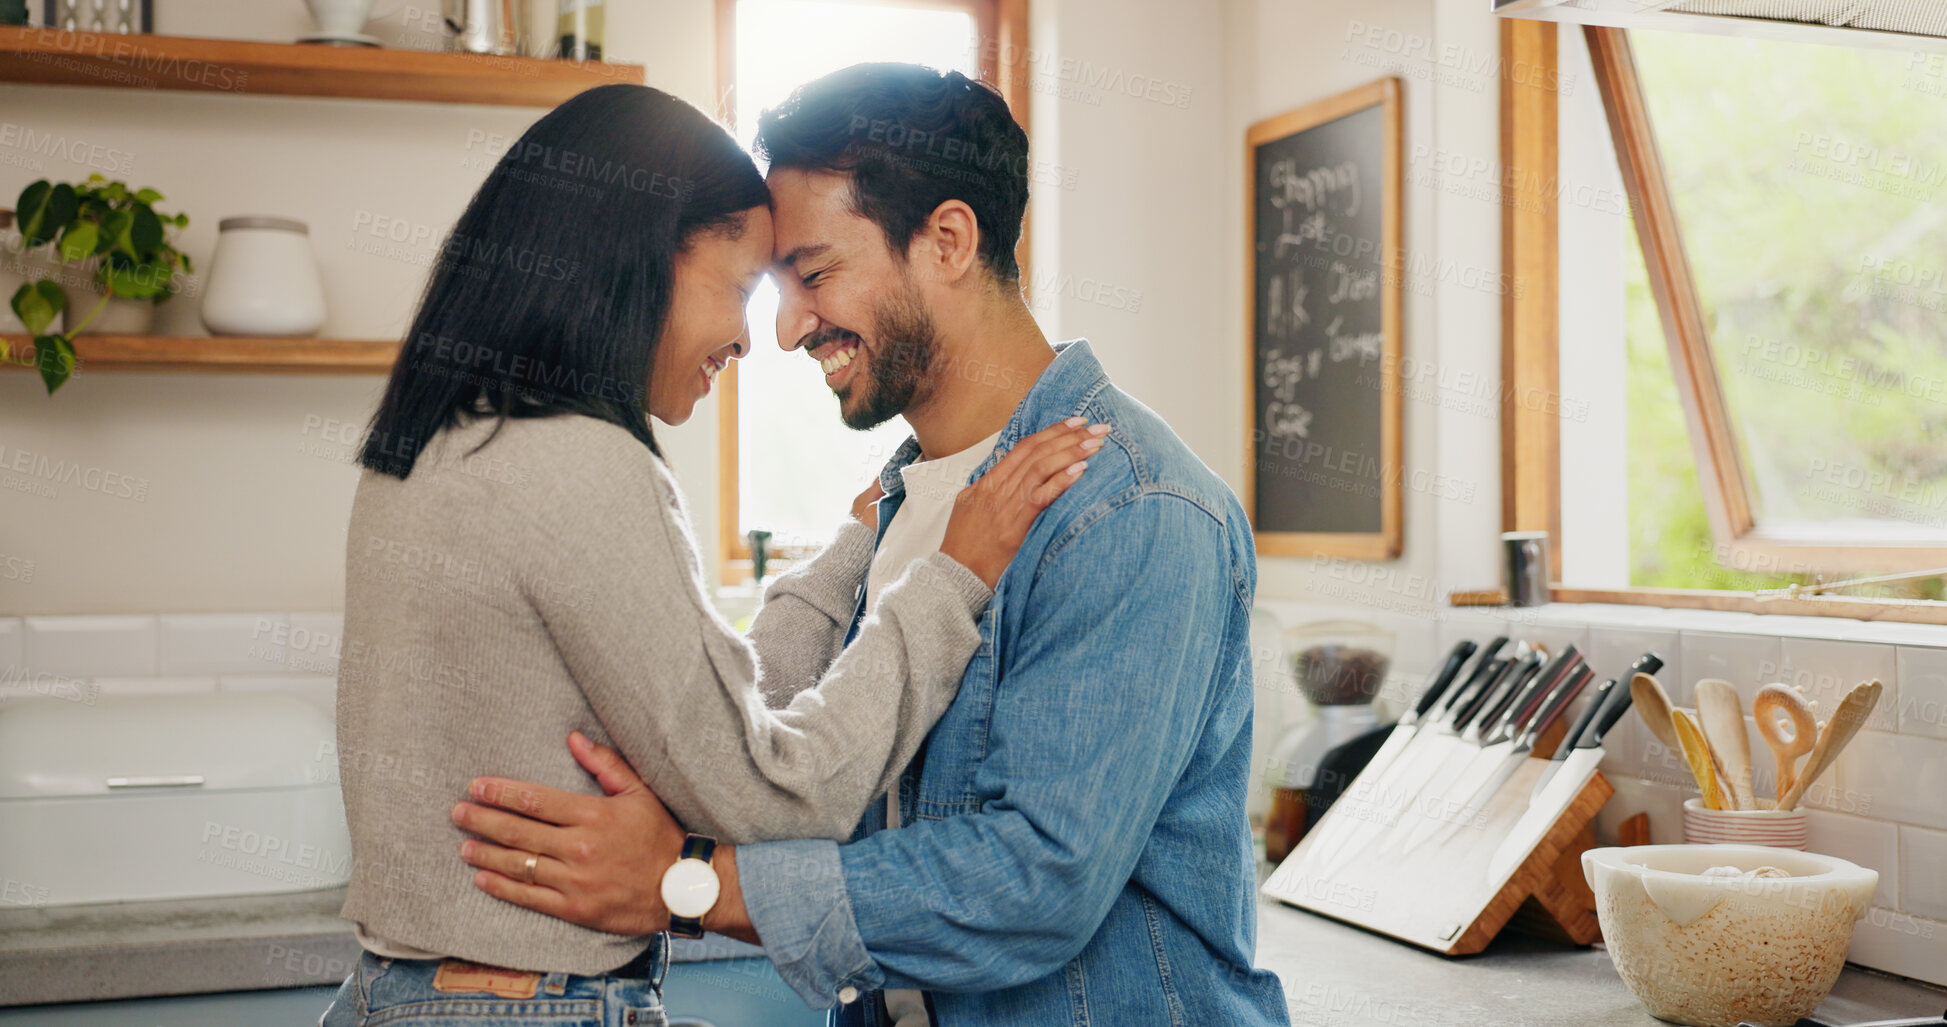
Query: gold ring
531, 861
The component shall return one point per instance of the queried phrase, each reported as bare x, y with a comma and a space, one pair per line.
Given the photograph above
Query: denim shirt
1075, 847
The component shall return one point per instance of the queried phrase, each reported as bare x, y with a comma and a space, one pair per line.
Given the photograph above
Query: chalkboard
1324, 268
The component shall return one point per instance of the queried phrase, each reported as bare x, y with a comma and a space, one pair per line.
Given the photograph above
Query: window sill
1887, 612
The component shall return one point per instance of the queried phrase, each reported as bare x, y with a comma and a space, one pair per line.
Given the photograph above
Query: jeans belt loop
557, 983
662, 959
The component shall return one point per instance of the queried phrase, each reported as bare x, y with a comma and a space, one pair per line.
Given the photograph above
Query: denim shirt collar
1064, 388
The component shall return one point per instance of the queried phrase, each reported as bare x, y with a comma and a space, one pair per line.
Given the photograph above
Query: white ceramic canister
263, 280
1787, 830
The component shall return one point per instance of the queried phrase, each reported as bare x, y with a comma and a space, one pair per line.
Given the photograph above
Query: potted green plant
120, 249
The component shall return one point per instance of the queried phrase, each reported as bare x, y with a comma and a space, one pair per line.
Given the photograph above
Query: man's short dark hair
911, 138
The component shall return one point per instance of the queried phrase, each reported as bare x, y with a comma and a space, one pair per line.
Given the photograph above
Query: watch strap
695, 846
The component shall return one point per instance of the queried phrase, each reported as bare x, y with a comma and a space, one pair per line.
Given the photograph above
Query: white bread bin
169, 796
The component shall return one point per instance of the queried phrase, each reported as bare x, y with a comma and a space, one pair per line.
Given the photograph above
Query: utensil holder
1764, 826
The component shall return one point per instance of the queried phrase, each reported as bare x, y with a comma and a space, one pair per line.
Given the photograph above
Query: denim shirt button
848, 995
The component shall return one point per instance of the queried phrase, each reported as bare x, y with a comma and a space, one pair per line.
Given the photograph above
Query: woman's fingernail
466, 850
1077, 467
1076, 422
1100, 429
1091, 445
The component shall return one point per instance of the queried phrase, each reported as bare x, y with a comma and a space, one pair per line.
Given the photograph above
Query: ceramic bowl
1716, 951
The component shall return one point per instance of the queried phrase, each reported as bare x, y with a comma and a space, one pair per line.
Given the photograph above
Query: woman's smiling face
714, 276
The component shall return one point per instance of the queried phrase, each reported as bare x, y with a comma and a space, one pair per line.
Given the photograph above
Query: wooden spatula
1721, 714
1846, 722
1653, 705
1696, 752
1775, 705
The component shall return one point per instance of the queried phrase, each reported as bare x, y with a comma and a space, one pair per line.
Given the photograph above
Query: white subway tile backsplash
89, 647
11, 635
1901, 943
1612, 649
1634, 795
318, 690
1922, 671
315, 643
1923, 873
1746, 661
220, 643
1873, 844
179, 685
1826, 670
1895, 777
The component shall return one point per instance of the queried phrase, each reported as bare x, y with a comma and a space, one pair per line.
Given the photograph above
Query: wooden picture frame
1385, 542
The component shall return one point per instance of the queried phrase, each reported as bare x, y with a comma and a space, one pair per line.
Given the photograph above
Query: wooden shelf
95, 354
49, 57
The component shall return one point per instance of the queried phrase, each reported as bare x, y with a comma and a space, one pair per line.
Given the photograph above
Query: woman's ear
949, 244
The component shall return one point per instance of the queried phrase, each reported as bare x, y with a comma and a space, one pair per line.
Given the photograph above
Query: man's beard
899, 367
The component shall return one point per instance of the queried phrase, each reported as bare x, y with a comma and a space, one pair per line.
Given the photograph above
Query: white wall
247, 488
1282, 55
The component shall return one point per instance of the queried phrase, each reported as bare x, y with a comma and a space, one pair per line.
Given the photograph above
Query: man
1074, 846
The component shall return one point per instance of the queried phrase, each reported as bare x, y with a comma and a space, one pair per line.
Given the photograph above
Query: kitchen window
1752, 247
786, 464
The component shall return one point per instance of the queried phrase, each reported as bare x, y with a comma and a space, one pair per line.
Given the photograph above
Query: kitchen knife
1365, 786
1496, 745
1408, 725
1469, 750
1432, 743
1566, 779
1558, 700
1648, 663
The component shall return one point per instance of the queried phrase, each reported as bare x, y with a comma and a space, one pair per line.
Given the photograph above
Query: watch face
690, 888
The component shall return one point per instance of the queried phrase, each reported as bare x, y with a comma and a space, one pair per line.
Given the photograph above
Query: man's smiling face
847, 299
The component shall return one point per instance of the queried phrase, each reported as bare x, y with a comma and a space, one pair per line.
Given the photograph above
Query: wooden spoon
1774, 705
1846, 722
1721, 714
1696, 752
1653, 705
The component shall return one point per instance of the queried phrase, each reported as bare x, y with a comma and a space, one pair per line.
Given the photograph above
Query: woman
520, 565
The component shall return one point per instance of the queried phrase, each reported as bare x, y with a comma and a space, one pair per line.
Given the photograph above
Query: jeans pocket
344, 1008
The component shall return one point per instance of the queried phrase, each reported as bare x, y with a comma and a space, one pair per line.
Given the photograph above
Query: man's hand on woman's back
599, 860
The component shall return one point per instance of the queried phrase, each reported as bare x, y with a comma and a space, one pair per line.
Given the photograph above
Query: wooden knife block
1438, 896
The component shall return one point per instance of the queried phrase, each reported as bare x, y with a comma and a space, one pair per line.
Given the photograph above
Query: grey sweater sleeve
801, 627
679, 690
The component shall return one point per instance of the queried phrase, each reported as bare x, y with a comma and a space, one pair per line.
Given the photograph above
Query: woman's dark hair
551, 293
911, 138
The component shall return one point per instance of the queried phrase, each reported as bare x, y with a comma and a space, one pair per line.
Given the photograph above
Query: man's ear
948, 245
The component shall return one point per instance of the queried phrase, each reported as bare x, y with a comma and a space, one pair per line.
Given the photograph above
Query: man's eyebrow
791, 259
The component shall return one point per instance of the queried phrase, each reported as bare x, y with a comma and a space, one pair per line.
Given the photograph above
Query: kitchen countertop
1340, 976
193, 946
1334, 975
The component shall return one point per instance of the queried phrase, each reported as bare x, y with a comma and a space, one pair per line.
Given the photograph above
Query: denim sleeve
1101, 700
795, 895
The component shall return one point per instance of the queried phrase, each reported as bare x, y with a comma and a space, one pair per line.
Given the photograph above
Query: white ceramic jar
263, 280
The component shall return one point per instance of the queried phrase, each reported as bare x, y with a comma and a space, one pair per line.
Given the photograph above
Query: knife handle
1558, 701
1482, 662
1648, 663
1450, 670
1455, 715
1580, 727
1507, 690
1520, 713
1612, 711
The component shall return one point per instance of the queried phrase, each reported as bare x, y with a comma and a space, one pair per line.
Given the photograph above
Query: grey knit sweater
497, 599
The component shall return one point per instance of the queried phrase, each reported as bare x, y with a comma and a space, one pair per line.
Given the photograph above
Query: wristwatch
690, 887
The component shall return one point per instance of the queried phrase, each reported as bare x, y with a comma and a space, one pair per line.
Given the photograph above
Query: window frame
1001, 27
1531, 446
